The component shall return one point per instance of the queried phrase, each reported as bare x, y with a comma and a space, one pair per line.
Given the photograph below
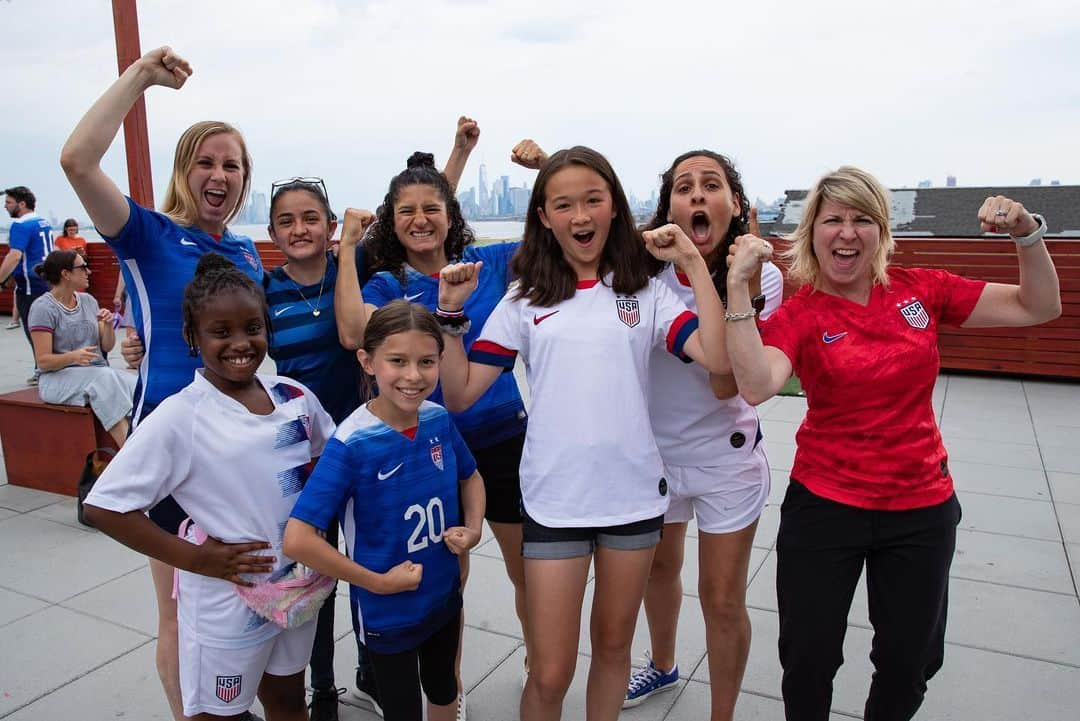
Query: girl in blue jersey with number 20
394, 474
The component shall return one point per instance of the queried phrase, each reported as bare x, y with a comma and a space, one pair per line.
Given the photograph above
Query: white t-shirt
590, 458
238, 474
692, 426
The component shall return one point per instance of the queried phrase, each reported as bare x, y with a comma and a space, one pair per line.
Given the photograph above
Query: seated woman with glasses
69, 332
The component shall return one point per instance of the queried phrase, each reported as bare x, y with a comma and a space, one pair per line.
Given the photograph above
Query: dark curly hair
387, 251
738, 224
546, 278
213, 275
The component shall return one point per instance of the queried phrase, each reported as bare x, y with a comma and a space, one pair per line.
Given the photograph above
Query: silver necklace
314, 308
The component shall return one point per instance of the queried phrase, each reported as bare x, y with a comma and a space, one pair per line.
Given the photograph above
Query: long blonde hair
179, 204
857, 189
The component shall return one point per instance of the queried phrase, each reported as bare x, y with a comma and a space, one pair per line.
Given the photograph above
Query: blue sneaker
646, 681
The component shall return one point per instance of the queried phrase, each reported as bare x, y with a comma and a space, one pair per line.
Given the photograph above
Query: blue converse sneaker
646, 681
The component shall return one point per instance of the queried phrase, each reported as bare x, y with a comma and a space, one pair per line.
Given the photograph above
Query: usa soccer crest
436, 455
227, 688
915, 314
629, 311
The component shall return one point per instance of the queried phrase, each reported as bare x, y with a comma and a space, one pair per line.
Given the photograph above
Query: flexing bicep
779, 366
103, 201
1000, 304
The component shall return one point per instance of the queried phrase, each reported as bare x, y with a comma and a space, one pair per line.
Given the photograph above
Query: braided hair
216, 274
387, 251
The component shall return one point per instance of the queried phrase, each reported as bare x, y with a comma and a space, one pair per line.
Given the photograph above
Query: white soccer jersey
692, 426
590, 458
238, 474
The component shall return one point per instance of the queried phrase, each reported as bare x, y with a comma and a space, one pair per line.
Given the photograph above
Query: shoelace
340, 691
644, 676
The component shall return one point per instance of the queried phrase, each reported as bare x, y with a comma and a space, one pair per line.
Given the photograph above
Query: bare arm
106, 336
465, 139
14, 255
1037, 298
82, 153
462, 382
49, 361
460, 539
303, 543
350, 310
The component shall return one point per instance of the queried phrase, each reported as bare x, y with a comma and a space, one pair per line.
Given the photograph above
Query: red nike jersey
869, 438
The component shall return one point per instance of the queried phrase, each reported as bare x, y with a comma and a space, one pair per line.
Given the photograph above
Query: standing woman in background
870, 483
158, 253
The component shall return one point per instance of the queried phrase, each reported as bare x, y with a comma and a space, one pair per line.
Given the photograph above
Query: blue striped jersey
158, 259
394, 496
499, 413
32, 235
305, 346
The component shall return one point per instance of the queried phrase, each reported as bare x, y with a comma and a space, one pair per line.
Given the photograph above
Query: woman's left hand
999, 214
459, 539
467, 135
105, 316
669, 243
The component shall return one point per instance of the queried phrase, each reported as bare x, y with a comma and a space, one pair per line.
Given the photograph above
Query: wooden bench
45, 445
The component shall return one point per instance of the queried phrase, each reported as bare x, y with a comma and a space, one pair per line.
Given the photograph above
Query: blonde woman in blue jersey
404, 485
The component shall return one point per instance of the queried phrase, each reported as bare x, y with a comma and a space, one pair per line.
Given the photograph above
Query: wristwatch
1029, 240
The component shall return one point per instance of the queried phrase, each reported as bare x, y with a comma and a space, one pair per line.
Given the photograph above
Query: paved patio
77, 618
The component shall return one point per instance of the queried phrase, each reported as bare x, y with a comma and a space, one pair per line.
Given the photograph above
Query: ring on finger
1001, 213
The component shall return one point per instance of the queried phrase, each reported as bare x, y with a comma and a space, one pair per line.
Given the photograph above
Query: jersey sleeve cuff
492, 354
681, 329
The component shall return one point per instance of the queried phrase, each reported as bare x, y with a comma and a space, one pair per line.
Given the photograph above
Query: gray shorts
108, 391
550, 544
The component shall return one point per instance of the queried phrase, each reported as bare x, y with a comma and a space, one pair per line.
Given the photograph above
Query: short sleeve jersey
304, 343
236, 473
590, 458
71, 328
500, 413
692, 426
394, 496
32, 236
869, 438
158, 259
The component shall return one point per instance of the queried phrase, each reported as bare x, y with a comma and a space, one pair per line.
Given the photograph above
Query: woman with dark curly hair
420, 230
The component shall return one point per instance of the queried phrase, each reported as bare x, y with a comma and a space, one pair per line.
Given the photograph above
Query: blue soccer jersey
158, 259
394, 496
499, 413
32, 236
304, 343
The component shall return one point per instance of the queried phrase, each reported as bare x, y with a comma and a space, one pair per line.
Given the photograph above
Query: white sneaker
462, 712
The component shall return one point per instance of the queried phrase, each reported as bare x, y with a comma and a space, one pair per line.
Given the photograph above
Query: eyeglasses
83, 267
309, 183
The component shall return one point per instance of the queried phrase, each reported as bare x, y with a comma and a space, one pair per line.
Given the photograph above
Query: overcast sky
985, 90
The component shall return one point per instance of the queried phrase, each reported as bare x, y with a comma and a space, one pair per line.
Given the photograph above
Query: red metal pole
136, 139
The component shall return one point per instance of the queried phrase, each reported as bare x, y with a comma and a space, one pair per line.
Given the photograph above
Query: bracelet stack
453, 322
745, 315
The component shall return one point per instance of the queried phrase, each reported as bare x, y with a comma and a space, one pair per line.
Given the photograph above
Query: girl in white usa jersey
585, 318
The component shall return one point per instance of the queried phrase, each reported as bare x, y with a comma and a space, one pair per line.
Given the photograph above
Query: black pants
821, 548
22, 307
400, 676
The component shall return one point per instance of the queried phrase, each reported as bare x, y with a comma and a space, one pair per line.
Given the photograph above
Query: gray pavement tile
1069, 516
787, 408
694, 704
998, 453
999, 480
1065, 486
1065, 458
768, 525
55, 561
1016, 621
984, 391
1042, 394
17, 498
60, 512
778, 487
1013, 516
489, 598
779, 431
127, 687
989, 686
65, 645
1023, 562
14, 606
987, 428
763, 408
781, 457
1073, 549
6, 513
1052, 434
126, 601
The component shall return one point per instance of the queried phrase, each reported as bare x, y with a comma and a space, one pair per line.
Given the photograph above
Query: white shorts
224, 681
724, 499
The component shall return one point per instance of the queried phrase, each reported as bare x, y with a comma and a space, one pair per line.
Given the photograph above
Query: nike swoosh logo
187, 242
538, 319
383, 476
279, 311
411, 298
832, 338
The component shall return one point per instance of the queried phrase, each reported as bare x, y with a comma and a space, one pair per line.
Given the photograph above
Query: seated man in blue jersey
31, 240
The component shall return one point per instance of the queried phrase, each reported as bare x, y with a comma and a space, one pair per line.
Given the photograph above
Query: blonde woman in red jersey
870, 483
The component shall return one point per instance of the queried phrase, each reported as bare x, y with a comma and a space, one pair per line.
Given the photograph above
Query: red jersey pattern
869, 438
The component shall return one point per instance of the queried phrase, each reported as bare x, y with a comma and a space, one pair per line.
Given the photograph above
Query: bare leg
282, 697
463, 564
663, 595
119, 432
723, 567
620, 585
554, 592
168, 642
508, 536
